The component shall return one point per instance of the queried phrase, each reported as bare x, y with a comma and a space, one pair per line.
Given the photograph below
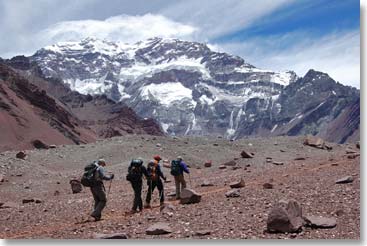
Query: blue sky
272, 34
318, 17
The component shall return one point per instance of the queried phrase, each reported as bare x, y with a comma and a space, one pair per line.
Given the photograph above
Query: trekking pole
109, 188
190, 180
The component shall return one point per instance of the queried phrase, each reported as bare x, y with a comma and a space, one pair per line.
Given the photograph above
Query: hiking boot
96, 218
133, 211
147, 206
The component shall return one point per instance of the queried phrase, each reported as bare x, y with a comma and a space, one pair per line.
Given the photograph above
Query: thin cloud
118, 28
337, 54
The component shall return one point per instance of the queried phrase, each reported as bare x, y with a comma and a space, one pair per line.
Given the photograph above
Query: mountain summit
191, 90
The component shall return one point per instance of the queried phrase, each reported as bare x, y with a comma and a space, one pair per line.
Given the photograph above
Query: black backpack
88, 179
175, 167
134, 172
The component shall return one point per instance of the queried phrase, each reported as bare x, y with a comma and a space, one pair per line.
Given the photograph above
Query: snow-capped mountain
185, 86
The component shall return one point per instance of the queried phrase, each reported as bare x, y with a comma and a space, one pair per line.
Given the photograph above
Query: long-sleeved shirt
184, 167
100, 174
143, 170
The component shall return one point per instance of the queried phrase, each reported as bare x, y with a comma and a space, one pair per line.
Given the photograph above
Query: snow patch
167, 93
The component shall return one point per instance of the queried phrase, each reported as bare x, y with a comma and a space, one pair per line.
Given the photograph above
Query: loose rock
238, 184
202, 233
267, 186
345, 180
111, 236
206, 183
286, 216
233, 193
159, 229
208, 164
38, 144
76, 186
278, 163
229, 163
189, 196
320, 222
222, 167
245, 154
21, 155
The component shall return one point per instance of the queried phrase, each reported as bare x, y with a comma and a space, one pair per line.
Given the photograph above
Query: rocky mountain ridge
191, 90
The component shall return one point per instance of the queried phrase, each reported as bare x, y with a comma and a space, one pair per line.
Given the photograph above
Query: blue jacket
184, 167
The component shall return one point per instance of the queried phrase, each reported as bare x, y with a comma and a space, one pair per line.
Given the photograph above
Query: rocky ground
296, 171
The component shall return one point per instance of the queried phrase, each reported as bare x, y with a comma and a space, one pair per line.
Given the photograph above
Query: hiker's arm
160, 173
103, 176
184, 166
145, 172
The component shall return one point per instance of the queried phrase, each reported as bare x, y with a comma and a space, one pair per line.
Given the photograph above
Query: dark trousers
138, 202
100, 200
151, 186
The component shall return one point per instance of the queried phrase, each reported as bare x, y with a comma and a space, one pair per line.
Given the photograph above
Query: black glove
165, 178
112, 176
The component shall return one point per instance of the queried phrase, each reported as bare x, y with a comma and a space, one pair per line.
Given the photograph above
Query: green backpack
88, 179
175, 167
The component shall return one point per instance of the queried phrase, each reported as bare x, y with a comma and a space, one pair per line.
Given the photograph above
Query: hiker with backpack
178, 167
135, 174
93, 177
155, 173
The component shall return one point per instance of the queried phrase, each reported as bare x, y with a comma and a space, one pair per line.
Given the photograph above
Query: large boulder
76, 186
189, 196
320, 222
237, 184
245, 154
110, 236
159, 229
285, 216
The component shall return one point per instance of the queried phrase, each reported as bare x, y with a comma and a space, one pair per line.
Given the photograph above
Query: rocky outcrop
159, 229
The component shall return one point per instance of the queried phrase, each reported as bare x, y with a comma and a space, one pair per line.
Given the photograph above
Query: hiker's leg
177, 183
135, 204
149, 193
183, 182
101, 194
140, 201
95, 197
160, 189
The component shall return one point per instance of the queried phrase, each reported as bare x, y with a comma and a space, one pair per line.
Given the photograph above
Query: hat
101, 161
179, 157
157, 157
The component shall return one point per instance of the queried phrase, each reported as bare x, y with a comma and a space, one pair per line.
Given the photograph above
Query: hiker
155, 175
178, 167
135, 174
98, 189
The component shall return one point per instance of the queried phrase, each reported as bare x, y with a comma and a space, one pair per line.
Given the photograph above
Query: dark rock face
221, 94
286, 216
